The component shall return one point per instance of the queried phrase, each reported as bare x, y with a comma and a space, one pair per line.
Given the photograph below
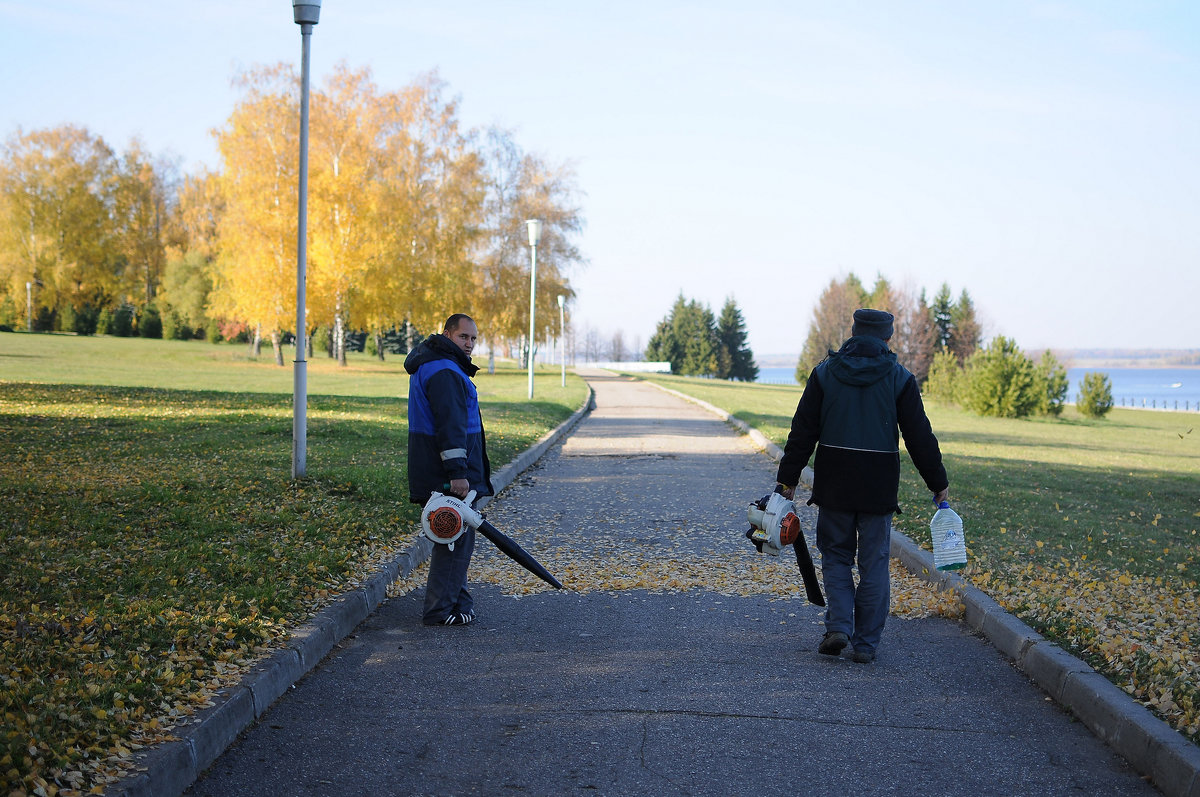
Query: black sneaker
463, 618
832, 643
863, 656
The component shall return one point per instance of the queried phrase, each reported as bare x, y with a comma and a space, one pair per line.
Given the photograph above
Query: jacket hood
438, 347
862, 360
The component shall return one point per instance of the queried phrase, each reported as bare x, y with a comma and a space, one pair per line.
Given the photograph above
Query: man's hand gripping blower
775, 524
445, 518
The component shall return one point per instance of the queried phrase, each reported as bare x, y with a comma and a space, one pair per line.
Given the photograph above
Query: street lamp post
306, 13
535, 235
562, 336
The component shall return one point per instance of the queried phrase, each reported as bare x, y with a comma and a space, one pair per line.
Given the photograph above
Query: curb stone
170, 768
1151, 746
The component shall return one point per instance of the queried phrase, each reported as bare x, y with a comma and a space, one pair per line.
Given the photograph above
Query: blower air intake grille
444, 522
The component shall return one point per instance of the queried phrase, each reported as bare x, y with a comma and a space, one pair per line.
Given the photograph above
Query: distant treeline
1130, 358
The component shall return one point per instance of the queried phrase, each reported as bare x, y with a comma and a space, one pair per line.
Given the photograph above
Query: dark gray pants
845, 538
446, 587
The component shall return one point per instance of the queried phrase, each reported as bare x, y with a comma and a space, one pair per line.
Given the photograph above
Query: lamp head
306, 12
561, 301
535, 231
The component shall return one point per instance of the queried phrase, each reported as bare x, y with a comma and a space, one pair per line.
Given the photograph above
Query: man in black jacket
447, 452
855, 404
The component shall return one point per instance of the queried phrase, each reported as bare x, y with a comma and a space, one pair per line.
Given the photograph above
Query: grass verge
154, 543
1086, 529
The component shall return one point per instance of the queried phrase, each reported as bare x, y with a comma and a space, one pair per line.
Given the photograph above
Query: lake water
1157, 388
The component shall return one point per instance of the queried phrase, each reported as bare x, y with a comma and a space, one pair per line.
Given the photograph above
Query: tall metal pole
28, 306
306, 14
562, 337
535, 234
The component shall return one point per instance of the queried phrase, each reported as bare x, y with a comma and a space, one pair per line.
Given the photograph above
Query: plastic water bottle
949, 546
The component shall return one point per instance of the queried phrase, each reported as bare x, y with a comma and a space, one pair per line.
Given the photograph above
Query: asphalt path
614, 687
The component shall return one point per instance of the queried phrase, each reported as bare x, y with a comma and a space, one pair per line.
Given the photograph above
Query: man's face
464, 336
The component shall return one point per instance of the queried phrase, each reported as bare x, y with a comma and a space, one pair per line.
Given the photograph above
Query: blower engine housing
445, 518
773, 523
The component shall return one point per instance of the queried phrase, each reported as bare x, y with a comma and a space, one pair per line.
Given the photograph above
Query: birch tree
144, 201
56, 224
344, 222
522, 186
255, 277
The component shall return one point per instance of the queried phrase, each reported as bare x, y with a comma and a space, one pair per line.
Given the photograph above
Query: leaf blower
445, 518
775, 524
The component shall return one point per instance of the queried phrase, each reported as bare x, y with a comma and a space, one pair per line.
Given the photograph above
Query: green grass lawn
154, 541
1087, 529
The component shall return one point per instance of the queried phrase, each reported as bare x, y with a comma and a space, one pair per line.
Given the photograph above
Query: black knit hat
875, 323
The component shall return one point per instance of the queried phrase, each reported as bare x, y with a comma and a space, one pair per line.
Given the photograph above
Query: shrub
64, 321
1002, 382
945, 376
104, 321
122, 323
234, 331
1095, 395
1052, 375
322, 339
174, 328
10, 315
212, 331
87, 319
150, 324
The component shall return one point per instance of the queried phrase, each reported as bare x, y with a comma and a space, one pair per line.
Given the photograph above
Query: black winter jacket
855, 404
445, 430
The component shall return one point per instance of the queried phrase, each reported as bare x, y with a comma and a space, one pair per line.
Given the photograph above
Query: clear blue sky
1043, 155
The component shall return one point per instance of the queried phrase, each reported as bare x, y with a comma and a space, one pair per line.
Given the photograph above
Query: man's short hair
453, 321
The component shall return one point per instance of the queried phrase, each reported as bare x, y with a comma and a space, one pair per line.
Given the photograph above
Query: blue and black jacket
856, 404
445, 429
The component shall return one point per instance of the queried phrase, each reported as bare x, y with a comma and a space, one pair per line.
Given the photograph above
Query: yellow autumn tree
344, 222
255, 274
519, 187
56, 227
143, 204
401, 226
200, 207
430, 201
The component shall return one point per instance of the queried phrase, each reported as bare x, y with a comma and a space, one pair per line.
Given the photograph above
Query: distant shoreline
1072, 358
1101, 362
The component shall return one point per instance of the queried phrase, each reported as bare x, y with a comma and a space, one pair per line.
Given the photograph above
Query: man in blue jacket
854, 404
447, 452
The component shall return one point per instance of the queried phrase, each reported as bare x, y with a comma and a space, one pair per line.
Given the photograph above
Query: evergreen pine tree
697, 332
942, 314
1002, 382
663, 345
1095, 395
687, 339
1054, 382
965, 330
731, 334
